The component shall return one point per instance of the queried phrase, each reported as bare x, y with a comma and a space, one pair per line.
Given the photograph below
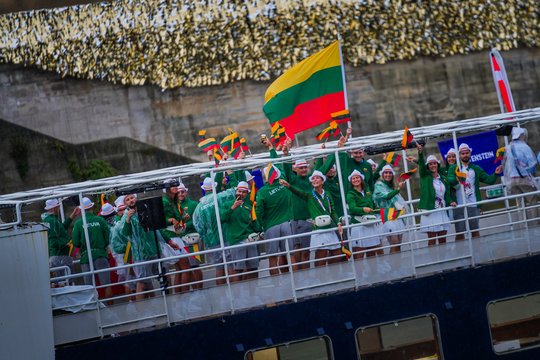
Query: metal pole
90, 262
221, 241
409, 199
349, 125
345, 212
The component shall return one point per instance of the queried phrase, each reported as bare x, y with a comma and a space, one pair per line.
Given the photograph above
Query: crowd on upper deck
309, 213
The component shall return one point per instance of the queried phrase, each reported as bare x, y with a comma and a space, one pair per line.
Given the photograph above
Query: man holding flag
469, 190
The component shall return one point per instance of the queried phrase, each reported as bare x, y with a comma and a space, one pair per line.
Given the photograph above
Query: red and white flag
504, 93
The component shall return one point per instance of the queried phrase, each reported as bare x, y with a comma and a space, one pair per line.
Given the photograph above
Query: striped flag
390, 214
208, 144
333, 129
306, 94
504, 93
499, 155
461, 176
341, 116
230, 142
407, 175
243, 145
217, 156
278, 134
271, 172
392, 158
407, 138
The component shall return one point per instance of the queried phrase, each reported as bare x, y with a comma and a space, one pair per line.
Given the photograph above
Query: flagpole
344, 82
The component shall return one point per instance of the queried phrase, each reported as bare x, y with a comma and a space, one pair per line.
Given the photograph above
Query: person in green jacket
191, 237
298, 176
120, 249
99, 237
385, 196
435, 193
273, 211
237, 215
366, 238
57, 235
174, 218
321, 208
468, 191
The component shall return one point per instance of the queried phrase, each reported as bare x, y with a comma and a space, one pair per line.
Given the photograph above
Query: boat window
415, 338
515, 323
319, 348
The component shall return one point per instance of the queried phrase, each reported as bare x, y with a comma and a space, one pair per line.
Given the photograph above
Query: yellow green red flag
308, 93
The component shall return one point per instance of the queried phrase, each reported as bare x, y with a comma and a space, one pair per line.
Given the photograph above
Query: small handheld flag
407, 175
392, 158
217, 156
390, 214
278, 134
499, 155
344, 249
342, 116
202, 135
243, 145
461, 176
271, 173
407, 138
208, 144
333, 129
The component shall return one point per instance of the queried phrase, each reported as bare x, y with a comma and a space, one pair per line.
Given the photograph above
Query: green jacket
298, 204
170, 209
314, 207
357, 202
190, 205
239, 222
480, 176
348, 165
57, 234
332, 186
99, 235
385, 196
427, 191
273, 205
118, 241
143, 244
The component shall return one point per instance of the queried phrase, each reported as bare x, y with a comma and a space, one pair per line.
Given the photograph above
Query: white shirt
470, 191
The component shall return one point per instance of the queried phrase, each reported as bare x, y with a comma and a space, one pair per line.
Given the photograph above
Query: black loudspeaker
151, 213
505, 130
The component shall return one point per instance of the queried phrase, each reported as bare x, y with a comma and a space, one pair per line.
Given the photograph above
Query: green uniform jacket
118, 241
239, 222
190, 205
143, 244
170, 208
315, 209
57, 234
332, 186
298, 204
348, 165
357, 202
385, 196
480, 175
273, 205
99, 235
427, 191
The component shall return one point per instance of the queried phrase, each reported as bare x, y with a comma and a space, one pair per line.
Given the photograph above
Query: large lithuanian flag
306, 95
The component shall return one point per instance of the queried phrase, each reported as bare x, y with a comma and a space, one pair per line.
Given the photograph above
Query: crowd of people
303, 210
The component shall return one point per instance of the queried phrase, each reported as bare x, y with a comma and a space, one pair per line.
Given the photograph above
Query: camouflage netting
197, 43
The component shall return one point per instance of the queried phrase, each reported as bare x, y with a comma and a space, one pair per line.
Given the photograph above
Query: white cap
432, 158
86, 203
372, 162
249, 176
106, 209
181, 186
278, 173
387, 168
242, 185
464, 147
207, 184
319, 174
517, 132
119, 201
168, 181
450, 151
51, 204
356, 172
300, 163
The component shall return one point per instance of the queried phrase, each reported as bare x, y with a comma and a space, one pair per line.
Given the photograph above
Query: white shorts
324, 241
393, 226
434, 221
359, 233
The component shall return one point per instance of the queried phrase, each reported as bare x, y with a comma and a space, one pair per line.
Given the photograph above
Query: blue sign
484, 147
